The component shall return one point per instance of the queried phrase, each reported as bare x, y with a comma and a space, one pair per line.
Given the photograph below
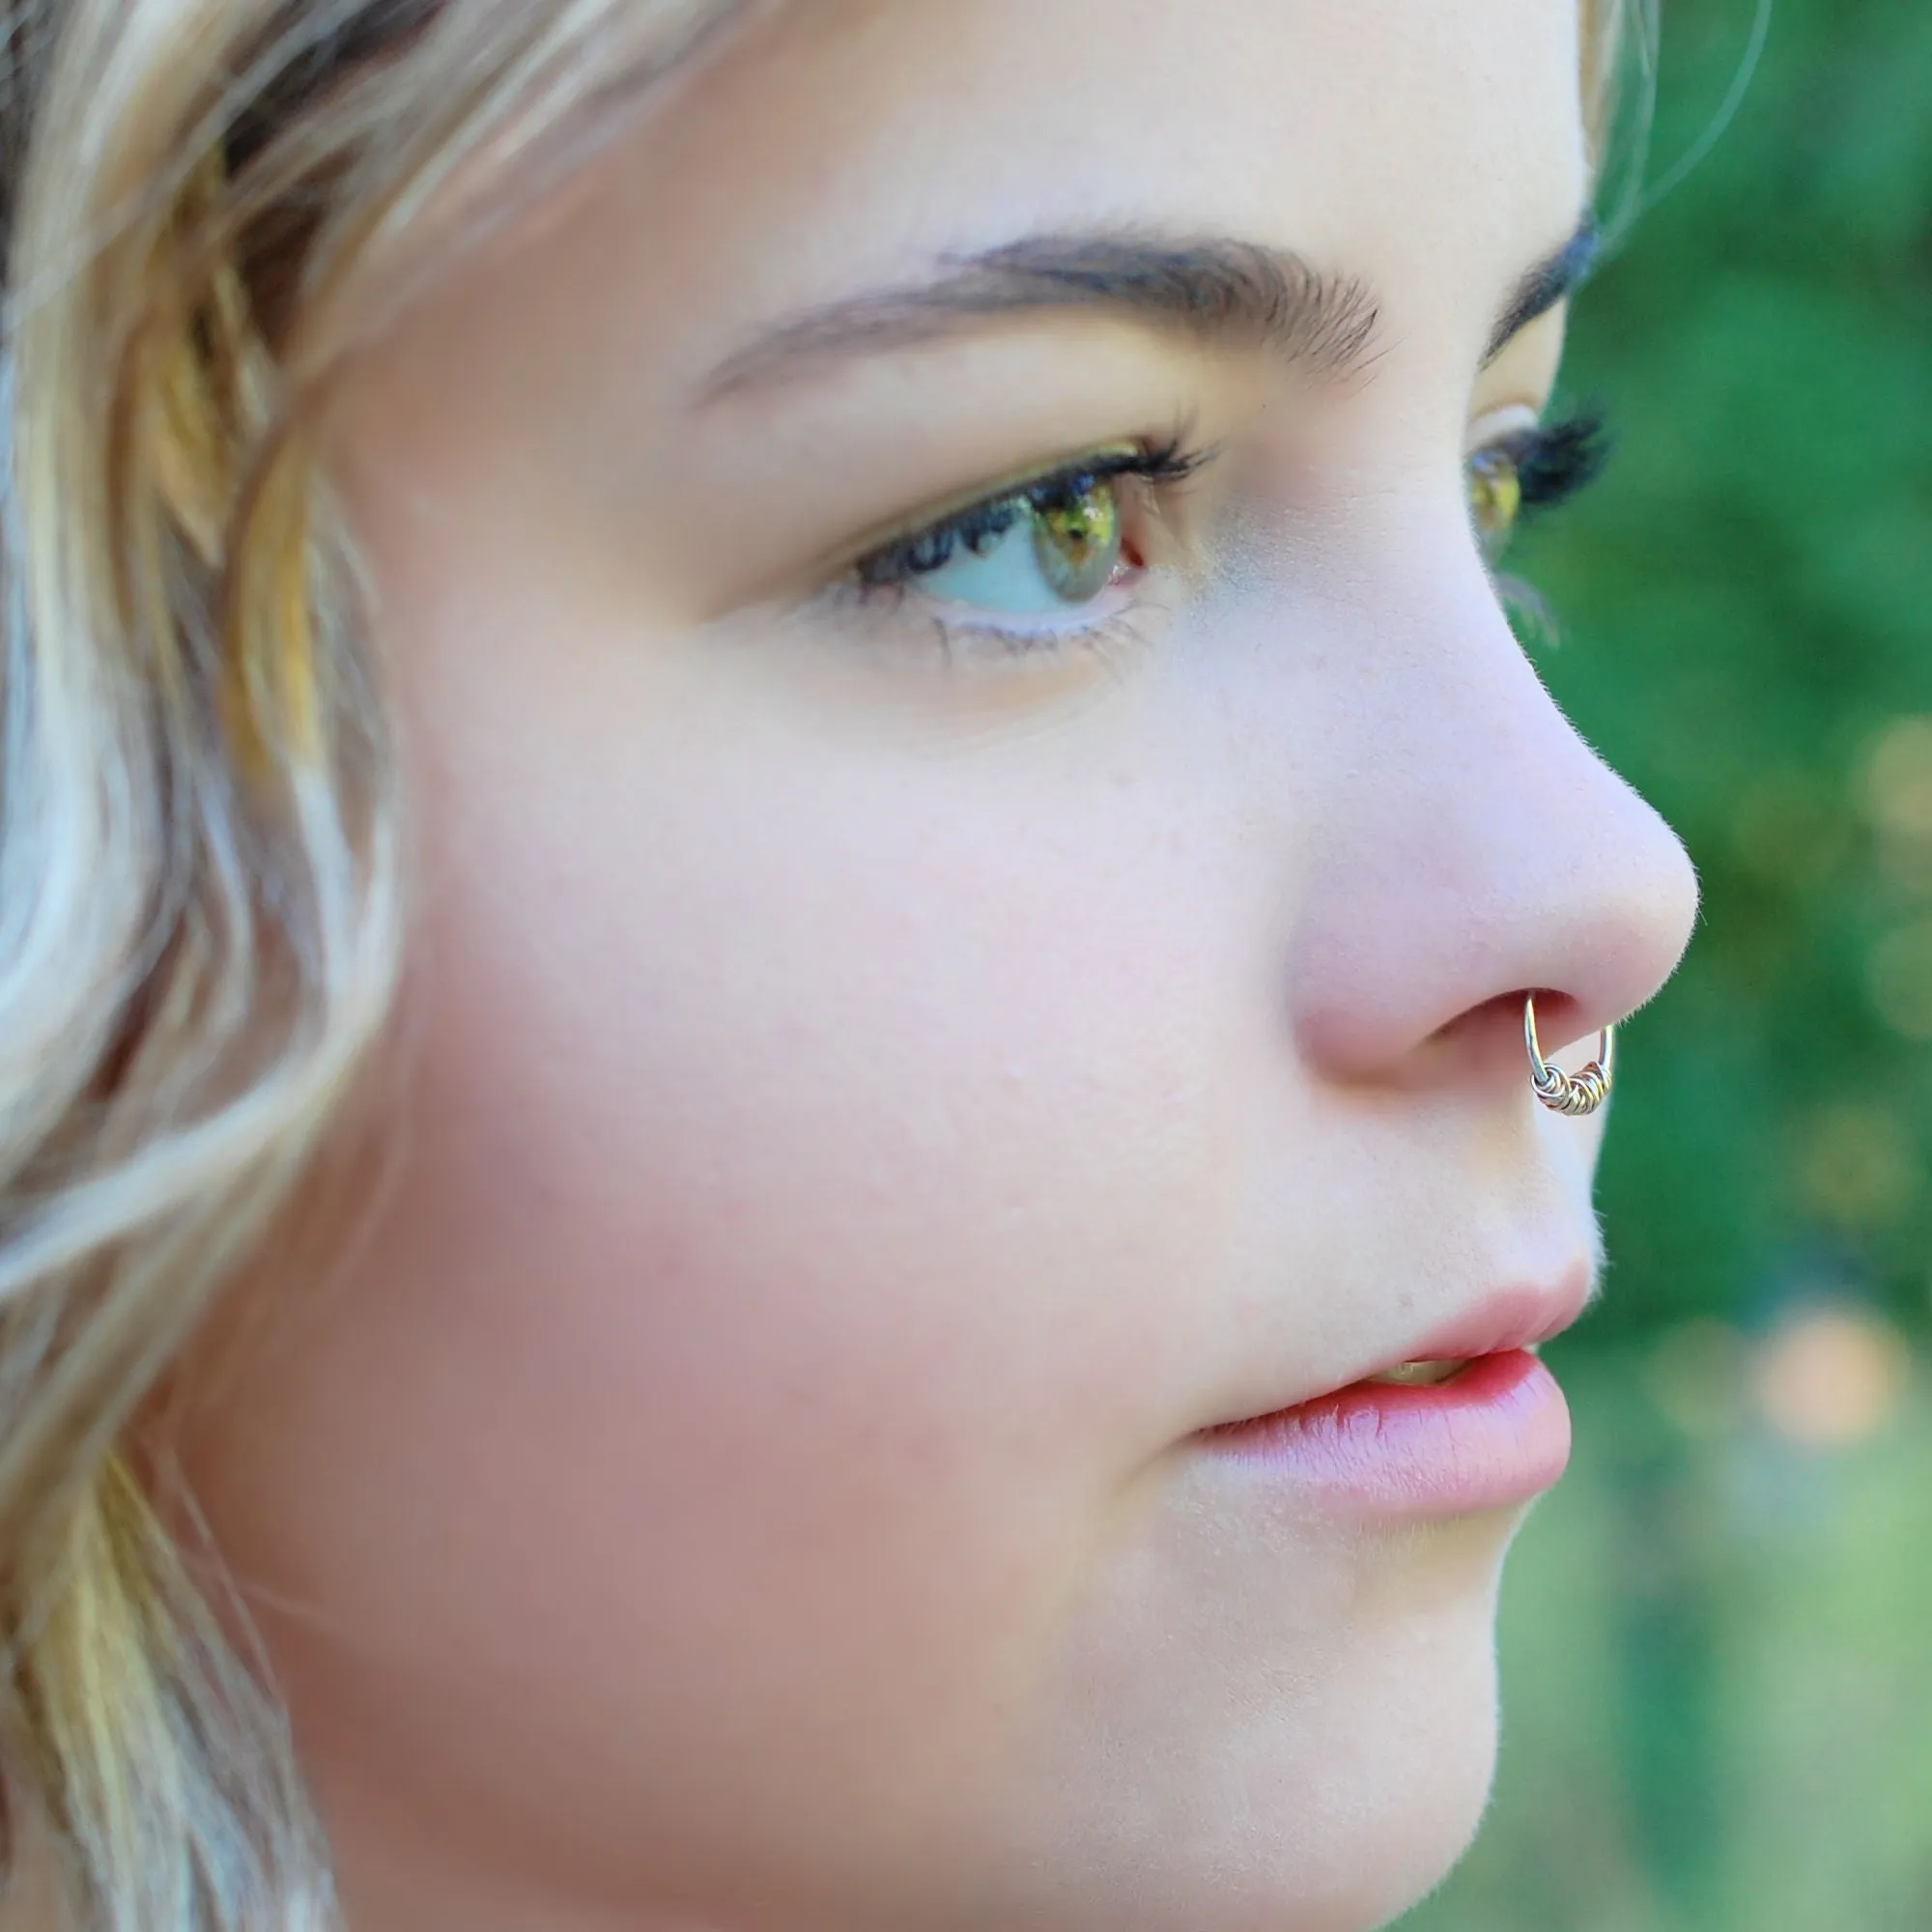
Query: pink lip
1519, 1319
1493, 1437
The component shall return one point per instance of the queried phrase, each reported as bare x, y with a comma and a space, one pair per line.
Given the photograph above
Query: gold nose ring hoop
1573, 1094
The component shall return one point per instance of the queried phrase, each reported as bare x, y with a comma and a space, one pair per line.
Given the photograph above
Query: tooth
1421, 1374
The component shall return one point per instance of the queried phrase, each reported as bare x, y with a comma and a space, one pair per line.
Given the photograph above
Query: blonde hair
201, 832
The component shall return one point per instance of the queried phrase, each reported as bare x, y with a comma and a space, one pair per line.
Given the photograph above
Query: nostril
1490, 1032
1559, 1017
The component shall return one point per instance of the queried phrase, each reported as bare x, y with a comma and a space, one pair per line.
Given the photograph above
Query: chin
1324, 1791
1356, 1847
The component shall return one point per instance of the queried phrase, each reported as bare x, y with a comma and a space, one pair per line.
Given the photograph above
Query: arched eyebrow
1554, 279
1217, 289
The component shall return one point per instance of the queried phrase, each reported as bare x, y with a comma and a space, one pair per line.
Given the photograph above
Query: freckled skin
858, 1112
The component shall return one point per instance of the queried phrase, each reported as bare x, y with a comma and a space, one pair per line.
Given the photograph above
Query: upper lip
1519, 1317
1503, 1319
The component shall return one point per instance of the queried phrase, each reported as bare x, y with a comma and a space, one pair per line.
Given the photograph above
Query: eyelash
1552, 462
1557, 460
899, 563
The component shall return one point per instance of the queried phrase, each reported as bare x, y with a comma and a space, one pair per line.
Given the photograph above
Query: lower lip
1493, 1437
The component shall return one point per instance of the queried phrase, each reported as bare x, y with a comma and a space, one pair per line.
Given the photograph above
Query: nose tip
1634, 912
1494, 858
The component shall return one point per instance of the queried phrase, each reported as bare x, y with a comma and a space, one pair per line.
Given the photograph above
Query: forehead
1431, 146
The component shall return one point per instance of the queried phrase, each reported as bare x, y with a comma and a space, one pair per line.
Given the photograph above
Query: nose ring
1573, 1094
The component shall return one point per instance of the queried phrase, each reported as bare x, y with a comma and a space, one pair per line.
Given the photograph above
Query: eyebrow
1554, 279
1213, 290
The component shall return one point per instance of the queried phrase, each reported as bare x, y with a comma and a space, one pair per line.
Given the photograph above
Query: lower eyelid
1098, 636
962, 616
901, 615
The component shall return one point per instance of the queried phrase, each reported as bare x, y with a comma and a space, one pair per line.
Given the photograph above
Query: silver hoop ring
1572, 1095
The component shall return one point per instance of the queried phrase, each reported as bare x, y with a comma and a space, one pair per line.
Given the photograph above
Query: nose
1476, 852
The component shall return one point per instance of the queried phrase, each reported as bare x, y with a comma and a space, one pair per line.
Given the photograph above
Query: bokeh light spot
1696, 1376
1898, 779
1830, 1377
1899, 978
1786, 826
1859, 1165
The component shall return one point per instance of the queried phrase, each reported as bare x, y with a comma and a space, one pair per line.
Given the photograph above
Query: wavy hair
201, 820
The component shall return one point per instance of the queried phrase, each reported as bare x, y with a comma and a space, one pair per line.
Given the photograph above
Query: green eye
1040, 553
1037, 554
1076, 541
1496, 496
1048, 549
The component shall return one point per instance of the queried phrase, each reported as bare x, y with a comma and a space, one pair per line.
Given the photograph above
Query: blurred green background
1718, 1633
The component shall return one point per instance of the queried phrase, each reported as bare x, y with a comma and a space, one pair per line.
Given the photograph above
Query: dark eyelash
931, 548
1556, 459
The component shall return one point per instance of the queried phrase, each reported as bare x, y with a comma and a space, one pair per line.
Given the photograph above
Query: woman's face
902, 1037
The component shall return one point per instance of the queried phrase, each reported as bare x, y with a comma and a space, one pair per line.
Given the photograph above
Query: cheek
809, 1099
788, 1255
848, 1111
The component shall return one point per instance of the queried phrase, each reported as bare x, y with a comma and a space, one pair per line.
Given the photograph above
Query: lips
1523, 1318
1467, 1418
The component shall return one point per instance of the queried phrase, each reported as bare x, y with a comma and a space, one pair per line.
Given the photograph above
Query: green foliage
1747, 611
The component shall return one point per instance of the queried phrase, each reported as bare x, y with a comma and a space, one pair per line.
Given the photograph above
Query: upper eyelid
1505, 420
1093, 462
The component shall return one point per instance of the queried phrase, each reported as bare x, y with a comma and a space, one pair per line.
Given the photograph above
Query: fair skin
865, 1103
